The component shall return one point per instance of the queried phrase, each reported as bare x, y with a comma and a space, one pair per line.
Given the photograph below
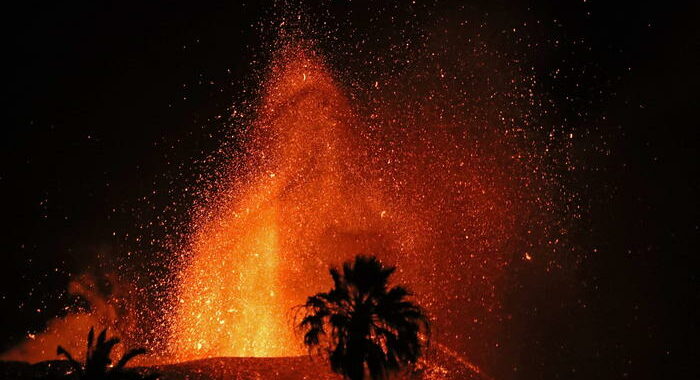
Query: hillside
439, 366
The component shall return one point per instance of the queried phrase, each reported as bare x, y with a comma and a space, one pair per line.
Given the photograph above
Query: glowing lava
241, 279
443, 166
450, 198
317, 187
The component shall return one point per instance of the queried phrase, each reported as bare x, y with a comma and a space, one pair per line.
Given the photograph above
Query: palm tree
363, 325
98, 362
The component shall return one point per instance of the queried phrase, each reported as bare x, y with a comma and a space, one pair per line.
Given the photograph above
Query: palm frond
77, 367
128, 356
101, 338
365, 323
90, 339
97, 359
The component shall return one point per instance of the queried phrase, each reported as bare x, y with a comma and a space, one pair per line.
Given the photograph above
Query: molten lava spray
435, 151
449, 199
261, 249
445, 176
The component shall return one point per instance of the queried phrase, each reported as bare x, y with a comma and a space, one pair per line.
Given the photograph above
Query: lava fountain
444, 146
265, 243
450, 201
446, 177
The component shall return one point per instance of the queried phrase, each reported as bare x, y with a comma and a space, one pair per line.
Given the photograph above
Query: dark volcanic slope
439, 366
297, 367
300, 367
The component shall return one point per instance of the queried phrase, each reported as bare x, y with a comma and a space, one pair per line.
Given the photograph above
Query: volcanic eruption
438, 183
441, 198
300, 204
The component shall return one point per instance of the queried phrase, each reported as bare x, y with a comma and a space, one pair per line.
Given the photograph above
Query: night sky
109, 106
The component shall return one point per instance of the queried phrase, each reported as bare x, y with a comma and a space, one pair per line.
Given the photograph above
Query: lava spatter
260, 249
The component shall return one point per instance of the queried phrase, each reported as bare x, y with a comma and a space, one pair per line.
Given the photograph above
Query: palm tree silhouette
98, 362
363, 325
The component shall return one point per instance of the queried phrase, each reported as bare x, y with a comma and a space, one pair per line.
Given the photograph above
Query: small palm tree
363, 325
98, 362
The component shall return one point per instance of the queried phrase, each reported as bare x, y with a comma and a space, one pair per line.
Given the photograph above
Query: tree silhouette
98, 362
363, 325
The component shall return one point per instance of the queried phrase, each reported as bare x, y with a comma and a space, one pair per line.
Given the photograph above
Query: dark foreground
438, 366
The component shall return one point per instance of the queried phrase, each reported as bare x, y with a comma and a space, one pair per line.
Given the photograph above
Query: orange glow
71, 330
448, 197
317, 187
237, 290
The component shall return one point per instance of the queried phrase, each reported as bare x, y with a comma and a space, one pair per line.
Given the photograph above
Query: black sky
104, 101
